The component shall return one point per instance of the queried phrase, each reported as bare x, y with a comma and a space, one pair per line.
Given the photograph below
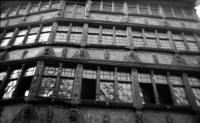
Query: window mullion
76, 94
116, 94
13, 37
189, 93
171, 88
100, 35
137, 100
130, 38
155, 88
69, 32
196, 40
38, 34
54, 31
98, 83
171, 41
26, 35
114, 36
58, 78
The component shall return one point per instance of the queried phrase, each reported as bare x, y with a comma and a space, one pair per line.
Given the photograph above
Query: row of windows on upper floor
102, 84
108, 6
97, 35
22, 9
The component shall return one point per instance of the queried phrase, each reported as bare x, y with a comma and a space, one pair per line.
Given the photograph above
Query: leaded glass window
122, 76
89, 74
154, 10
47, 87
30, 71
107, 40
165, 44
6, 39
138, 42
55, 4
107, 6
107, 75
132, 8
2, 75
125, 92
34, 7
10, 89
180, 45
96, 5
45, 33
106, 91
20, 37
31, 38
193, 46
75, 38
160, 79
65, 88
144, 77
143, 9
194, 81
23, 9
195, 84
176, 80
15, 74
13, 11
60, 37
180, 96
93, 39
121, 41
178, 12
151, 42
67, 72
196, 92
51, 71
118, 7
167, 11
44, 6
189, 13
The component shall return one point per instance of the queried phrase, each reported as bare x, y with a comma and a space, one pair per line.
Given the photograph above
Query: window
34, 7
137, 38
20, 37
5, 41
4, 13
107, 36
88, 89
74, 10
178, 12
32, 35
96, 5
124, 87
155, 10
121, 38
146, 88
12, 83
179, 45
44, 35
2, 76
179, 90
143, 9
167, 11
118, 6
22, 10
48, 81
62, 33
76, 34
13, 11
55, 4
132, 8
193, 46
106, 85
151, 42
195, 84
44, 6
165, 44
93, 35
188, 12
107, 6
66, 83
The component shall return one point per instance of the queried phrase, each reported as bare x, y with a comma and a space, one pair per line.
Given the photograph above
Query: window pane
55, 5
125, 93
196, 92
143, 9
177, 37
77, 29
121, 41
178, 12
107, 31
34, 30
151, 43
67, 72
15, 74
46, 87
61, 37
160, 79
9, 34
107, 6
34, 8
46, 28
18, 40
165, 44
176, 80
132, 8
155, 10
107, 40
93, 30
4, 42
51, 71
180, 96
89, 74
106, 91
2, 75
180, 45
44, 6
138, 42
193, 46
167, 11
144, 77
194, 81
44, 37
30, 71
63, 28
93, 39
118, 7
31, 39
22, 32
124, 77
10, 89
95, 5
65, 88
107, 75
75, 37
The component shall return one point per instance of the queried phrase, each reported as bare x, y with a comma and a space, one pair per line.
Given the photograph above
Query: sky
198, 10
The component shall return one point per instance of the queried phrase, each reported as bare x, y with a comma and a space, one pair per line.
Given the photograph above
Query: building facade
99, 61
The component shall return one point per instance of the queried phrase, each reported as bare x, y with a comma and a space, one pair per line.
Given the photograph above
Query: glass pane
30, 71
2, 75
18, 40
194, 81
138, 42
106, 91
132, 8
34, 30
61, 37
122, 41
89, 74
10, 89
107, 31
65, 88
9, 34
46, 28
176, 80
55, 5
177, 37
22, 32
31, 39
193, 46
4, 42
107, 75
44, 6
75, 37
77, 29
120, 32
196, 92
46, 87
151, 43
144, 77
44, 37
34, 8
180, 45
179, 93
15, 74
93, 39
118, 7
93, 30
125, 93
107, 40
67, 72
51, 71
160, 79
124, 77
165, 44
63, 28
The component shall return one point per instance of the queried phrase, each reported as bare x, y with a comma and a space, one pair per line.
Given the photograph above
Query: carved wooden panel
58, 51
107, 17
16, 54
164, 59
34, 52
